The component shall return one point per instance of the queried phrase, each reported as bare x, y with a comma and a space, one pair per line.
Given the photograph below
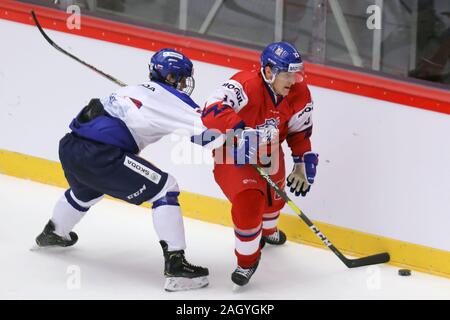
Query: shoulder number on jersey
233, 95
146, 85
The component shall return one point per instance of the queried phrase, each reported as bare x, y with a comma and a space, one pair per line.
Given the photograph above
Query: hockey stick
350, 263
54, 45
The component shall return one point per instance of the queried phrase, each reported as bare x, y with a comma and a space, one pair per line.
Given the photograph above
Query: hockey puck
404, 272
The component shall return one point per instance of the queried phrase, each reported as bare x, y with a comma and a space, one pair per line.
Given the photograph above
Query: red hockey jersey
247, 101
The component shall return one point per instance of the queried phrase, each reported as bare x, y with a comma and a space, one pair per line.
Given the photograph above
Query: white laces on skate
245, 272
274, 236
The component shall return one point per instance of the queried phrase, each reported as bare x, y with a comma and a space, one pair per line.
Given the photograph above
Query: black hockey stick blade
367, 261
54, 45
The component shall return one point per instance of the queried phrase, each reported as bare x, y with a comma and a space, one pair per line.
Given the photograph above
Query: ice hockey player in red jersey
259, 110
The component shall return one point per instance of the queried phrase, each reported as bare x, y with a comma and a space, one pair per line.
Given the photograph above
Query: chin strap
270, 82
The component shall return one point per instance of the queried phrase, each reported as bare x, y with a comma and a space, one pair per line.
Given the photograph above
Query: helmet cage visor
186, 85
293, 73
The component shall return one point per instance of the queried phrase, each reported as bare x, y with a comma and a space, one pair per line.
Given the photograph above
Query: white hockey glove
303, 173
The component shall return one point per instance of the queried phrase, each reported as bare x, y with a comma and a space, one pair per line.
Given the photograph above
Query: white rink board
384, 168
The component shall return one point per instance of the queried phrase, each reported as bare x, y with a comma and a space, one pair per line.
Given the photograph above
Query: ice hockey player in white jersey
100, 156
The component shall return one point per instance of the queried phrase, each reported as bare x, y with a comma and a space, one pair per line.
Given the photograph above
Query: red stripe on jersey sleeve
221, 117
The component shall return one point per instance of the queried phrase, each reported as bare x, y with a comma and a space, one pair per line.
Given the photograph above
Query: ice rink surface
118, 257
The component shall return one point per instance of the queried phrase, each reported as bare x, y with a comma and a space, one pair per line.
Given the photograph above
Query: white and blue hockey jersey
137, 116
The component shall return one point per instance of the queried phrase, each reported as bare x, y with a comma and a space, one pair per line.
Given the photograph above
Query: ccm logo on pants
142, 170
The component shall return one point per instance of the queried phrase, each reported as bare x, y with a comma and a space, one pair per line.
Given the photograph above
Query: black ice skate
50, 239
241, 276
180, 274
277, 238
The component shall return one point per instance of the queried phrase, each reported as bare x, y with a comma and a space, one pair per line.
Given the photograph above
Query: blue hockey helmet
281, 57
167, 62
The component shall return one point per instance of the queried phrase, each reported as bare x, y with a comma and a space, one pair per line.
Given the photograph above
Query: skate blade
236, 288
181, 284
36, 248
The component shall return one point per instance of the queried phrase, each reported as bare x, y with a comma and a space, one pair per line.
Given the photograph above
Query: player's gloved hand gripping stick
351, 263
